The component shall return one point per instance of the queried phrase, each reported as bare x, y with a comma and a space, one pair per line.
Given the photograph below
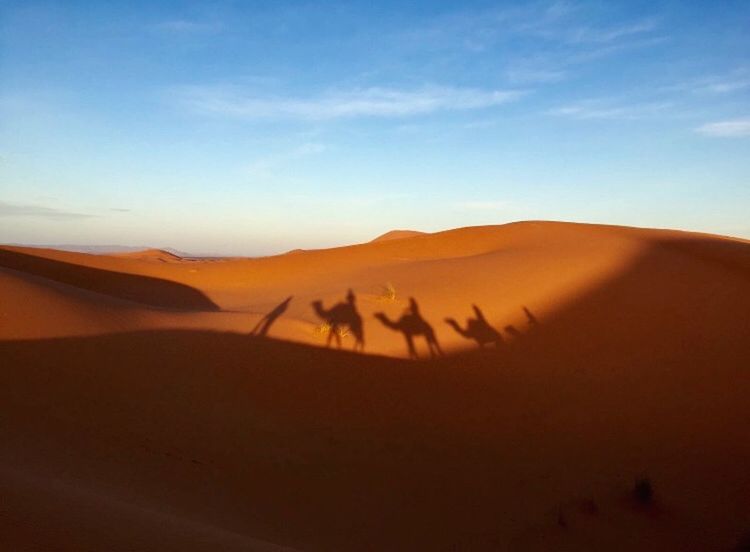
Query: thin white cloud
541, 21
611, 34
366, 102
736, 128
601, 109
566, 23
723, 87
564, 43
560, 9
734, 81
603, 50
38, 211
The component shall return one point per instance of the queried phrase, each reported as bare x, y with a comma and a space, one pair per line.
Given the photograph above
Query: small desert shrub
322, 330
643, 491
388, 292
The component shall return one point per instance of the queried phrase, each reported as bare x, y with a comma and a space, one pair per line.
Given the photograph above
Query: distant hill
398, 234
126, 250
151, 255
91, 249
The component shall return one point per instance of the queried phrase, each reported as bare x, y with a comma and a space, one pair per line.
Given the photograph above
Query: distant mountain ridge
92, 249
114, 249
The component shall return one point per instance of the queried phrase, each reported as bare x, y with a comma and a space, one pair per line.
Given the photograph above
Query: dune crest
150, 255
398, 235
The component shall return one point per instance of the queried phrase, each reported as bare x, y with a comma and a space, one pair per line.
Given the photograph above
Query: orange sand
137, 412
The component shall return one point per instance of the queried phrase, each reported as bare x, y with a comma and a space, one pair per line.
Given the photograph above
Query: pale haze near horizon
255, 128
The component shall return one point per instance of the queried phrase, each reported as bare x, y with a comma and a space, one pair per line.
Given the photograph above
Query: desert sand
150, 402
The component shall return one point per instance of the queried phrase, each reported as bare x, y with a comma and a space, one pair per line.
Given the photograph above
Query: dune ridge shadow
146, 290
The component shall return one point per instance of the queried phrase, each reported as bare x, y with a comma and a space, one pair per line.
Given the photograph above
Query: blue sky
256, 127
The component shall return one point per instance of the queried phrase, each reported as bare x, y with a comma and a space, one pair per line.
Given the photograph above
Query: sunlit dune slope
542, 266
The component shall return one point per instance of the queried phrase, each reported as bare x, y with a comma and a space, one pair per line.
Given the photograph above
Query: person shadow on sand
265, 323
477, 329
412, 324
342, 315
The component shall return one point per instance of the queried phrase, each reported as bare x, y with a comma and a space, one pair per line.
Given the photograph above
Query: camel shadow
265, 323
412, 324
477, 329
342, 315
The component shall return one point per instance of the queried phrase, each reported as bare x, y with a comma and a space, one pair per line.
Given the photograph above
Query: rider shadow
265, 323
477, 329
531, 320
412, 324
342, 315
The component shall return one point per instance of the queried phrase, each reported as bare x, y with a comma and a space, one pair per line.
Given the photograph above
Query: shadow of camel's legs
410, 346
435, 349
337, 335
359, 345
330, 337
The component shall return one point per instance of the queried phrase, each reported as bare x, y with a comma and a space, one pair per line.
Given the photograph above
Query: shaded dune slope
132, 287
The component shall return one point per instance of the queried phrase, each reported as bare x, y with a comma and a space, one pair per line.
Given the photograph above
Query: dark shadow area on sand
146, 290
330, 450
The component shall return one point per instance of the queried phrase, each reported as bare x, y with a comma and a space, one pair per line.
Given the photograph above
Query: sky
251, 128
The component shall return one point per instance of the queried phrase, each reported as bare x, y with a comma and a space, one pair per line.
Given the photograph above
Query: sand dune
398, 235
540, 266
133, 384
150, 255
